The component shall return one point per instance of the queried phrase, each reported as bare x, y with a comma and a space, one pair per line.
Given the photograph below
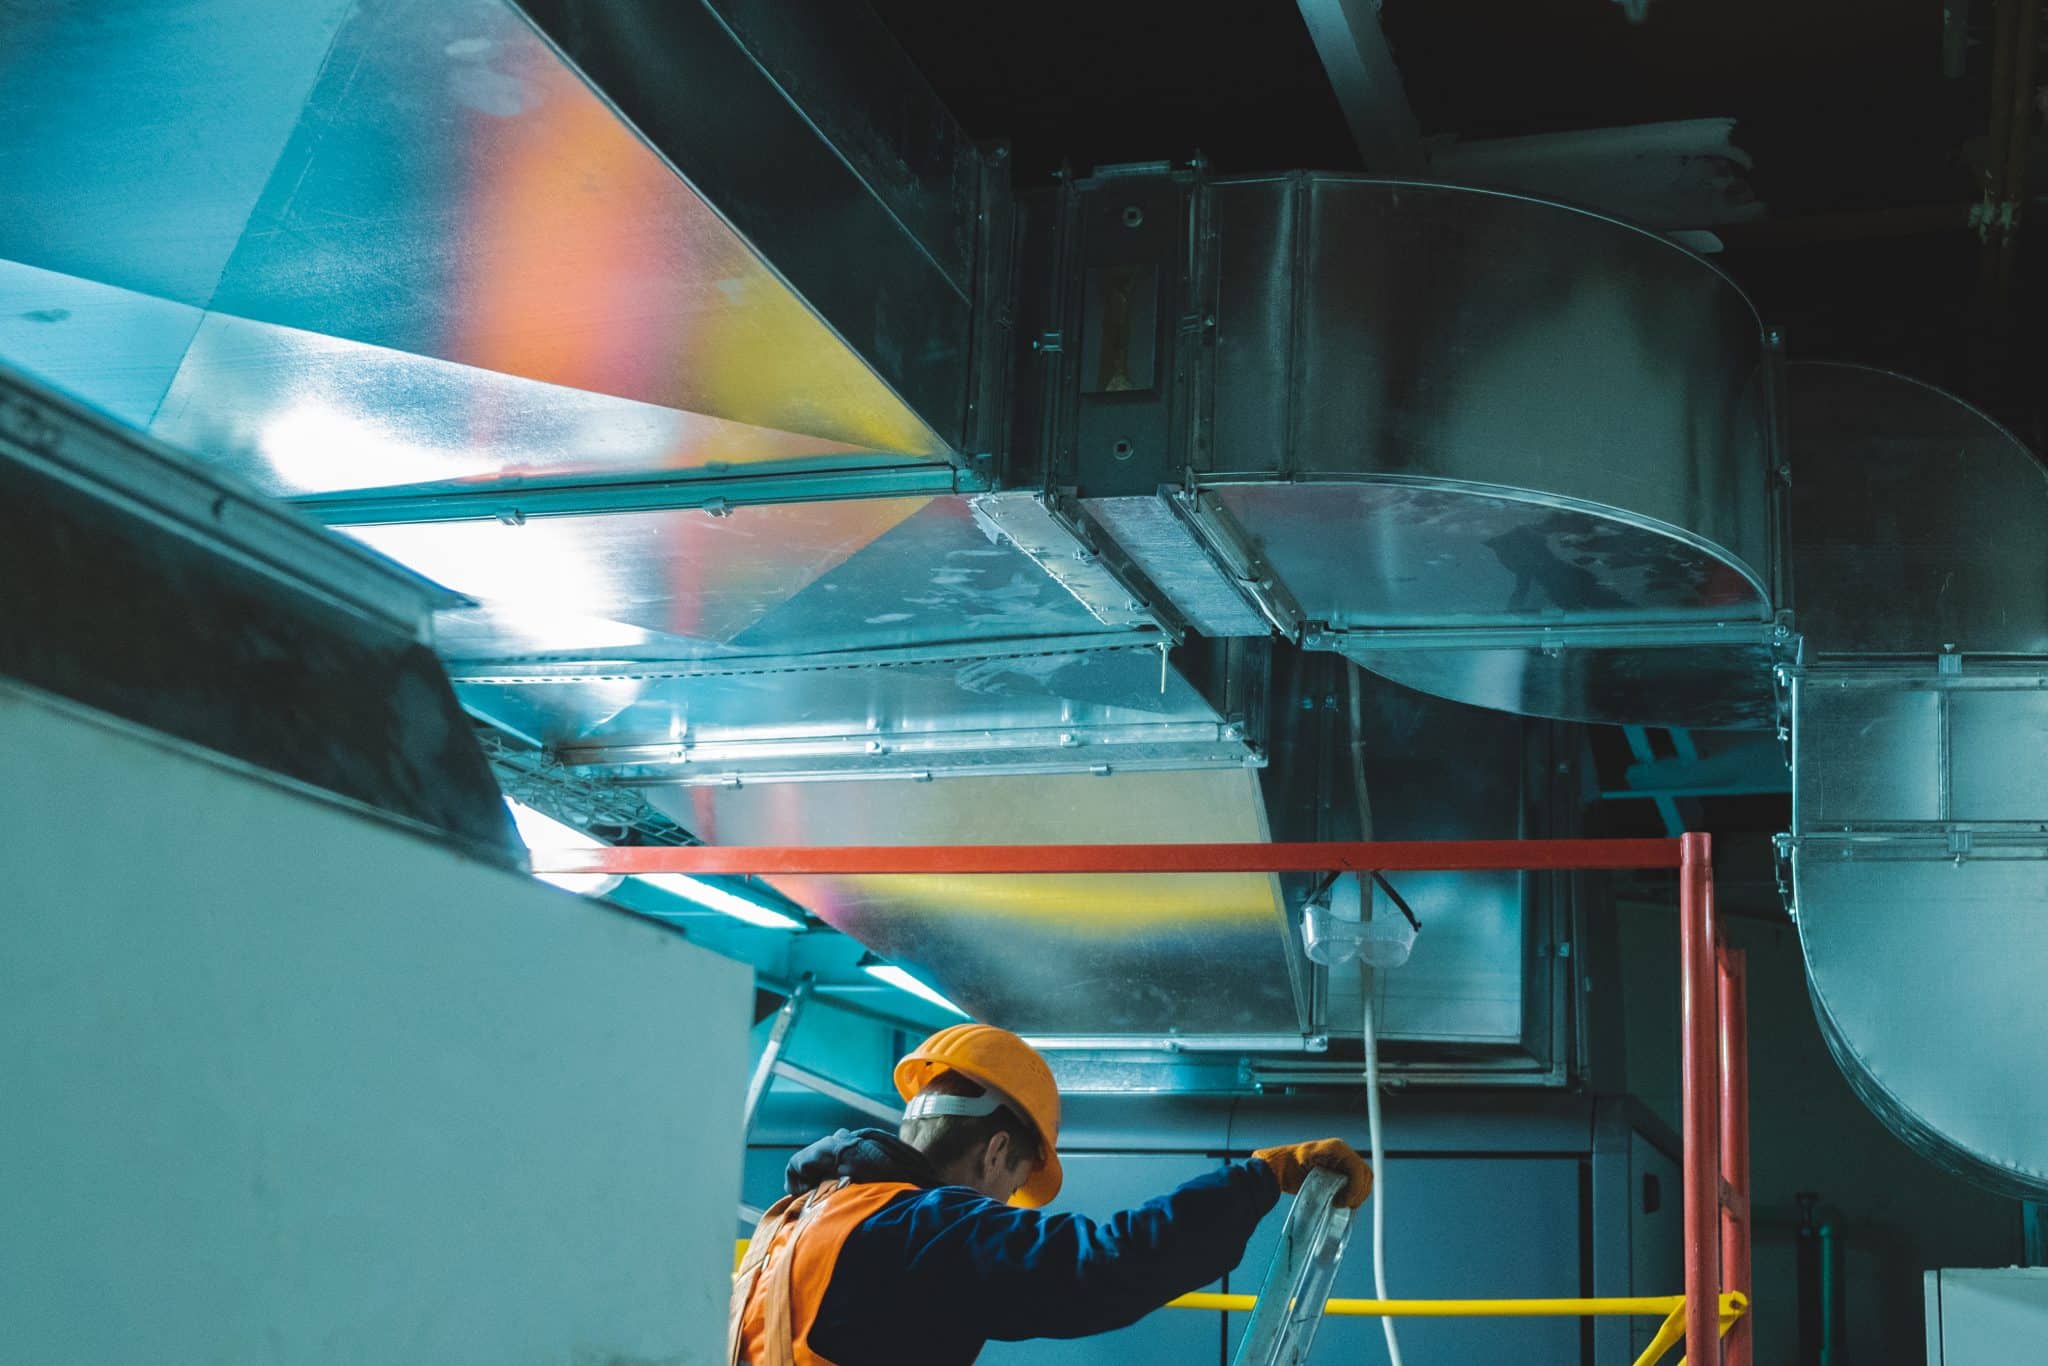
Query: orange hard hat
1000, 1061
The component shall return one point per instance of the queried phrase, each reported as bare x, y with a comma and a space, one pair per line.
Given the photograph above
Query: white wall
279, 1083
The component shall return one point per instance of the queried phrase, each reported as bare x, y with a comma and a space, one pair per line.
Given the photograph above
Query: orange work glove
1292, 1164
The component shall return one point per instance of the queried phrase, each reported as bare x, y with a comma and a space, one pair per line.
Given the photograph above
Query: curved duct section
1919, 850
1504, 451
512, 294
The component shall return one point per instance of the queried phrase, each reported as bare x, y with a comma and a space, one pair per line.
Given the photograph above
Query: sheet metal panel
860, 573
1866, 753
1926, 976
1435, 406
1045, 953
428, 249
1916, 520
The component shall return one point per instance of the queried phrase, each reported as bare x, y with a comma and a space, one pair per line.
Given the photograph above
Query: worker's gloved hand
1292, 1164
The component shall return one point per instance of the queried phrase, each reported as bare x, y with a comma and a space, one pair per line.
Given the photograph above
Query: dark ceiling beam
1361, 68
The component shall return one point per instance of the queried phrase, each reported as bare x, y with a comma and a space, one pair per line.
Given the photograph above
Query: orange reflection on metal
587, 262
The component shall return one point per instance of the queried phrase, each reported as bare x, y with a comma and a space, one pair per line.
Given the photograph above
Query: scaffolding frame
1713, 1004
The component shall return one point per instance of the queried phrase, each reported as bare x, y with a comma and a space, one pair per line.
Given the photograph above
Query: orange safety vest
780, 1285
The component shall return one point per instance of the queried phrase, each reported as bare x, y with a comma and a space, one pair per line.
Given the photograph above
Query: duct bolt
1233, 731
877, 747
1068, 740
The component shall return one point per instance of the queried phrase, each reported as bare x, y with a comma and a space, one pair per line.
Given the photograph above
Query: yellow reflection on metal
1108, 905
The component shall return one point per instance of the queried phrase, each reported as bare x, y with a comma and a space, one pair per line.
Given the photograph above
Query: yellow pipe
1672, 1331
1733, 1306
1672, 1307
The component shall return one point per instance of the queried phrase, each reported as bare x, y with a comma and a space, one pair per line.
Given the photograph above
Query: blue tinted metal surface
116, 349
853, 574
425, 249
137, 135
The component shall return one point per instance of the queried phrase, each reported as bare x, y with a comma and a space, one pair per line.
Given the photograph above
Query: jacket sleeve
1018, 1273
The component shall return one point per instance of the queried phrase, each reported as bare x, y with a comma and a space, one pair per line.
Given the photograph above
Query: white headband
930, 1103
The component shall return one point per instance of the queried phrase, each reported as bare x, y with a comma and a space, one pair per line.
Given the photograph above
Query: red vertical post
1700, 1054
1735, 1209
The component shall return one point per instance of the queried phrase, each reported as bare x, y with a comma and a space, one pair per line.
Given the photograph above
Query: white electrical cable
1379, 1161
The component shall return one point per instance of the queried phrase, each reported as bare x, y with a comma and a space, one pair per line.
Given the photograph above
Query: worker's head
972, 1136
985, 1110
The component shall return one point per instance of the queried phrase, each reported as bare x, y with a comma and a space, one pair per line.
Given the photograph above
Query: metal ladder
1298, 1279
770, 1066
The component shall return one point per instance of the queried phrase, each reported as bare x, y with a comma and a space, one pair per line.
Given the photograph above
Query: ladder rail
1300, 1276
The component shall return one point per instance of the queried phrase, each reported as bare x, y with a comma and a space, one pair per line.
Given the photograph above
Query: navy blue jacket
939, 1271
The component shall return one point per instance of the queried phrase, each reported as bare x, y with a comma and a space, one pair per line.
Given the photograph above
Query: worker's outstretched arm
1020, 1273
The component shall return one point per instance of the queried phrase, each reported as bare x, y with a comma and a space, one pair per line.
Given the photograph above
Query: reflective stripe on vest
781, 1282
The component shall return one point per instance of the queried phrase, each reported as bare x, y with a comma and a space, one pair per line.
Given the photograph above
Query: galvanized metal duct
139, 586
405, 265
1508, 452
1919, 849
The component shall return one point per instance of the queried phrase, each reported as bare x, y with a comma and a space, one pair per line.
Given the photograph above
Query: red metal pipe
1735, 1213
1389, 857
1700, 1051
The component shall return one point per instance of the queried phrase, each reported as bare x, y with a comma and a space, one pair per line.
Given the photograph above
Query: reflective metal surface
1919, 848
1166, 549
423, 247
771, 579
1688, 687
809, 128
1446, 407
1400, 553
137, 585
1480, 991
1048, 953
972, 712
1030, 522
1444, 333
1926, 976
1918, 522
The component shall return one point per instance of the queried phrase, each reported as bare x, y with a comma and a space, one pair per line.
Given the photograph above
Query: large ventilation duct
1919, 849
1514, 454
519, 299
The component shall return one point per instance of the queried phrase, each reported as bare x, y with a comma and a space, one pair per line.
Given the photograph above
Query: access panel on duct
1509, 452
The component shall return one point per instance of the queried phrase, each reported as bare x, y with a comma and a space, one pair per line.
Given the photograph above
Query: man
920, 1246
